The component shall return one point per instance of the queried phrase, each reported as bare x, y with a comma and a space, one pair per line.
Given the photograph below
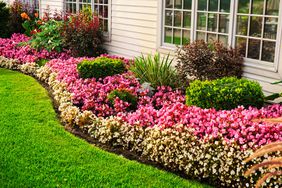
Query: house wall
136, 28
51, 5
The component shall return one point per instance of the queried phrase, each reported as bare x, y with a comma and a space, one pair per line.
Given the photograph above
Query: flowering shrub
16, 21
31, 25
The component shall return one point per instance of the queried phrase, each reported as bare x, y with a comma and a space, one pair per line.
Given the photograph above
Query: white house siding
51, 5
135, 28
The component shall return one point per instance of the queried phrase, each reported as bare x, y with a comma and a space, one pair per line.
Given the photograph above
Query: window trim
274, 67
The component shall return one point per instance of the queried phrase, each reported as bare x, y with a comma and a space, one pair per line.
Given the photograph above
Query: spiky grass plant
155, 70
272, 164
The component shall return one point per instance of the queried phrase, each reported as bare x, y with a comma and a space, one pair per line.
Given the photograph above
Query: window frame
271, 66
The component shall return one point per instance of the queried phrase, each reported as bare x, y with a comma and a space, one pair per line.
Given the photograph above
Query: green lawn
36, 151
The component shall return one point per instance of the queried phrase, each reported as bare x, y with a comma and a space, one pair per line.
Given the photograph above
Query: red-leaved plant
82, 35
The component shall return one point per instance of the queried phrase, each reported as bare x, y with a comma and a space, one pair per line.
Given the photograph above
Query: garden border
212, 160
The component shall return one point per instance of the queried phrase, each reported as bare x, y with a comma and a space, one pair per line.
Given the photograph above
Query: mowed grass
36, 151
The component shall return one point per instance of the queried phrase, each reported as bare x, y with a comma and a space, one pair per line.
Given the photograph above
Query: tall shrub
82, 35
204, 61
4, 19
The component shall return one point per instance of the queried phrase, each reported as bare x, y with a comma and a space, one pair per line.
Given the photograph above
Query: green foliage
49, 38
125, 96
4, 20
226, 93
51, 157
100, 67
42, 62
274, 96
155, 70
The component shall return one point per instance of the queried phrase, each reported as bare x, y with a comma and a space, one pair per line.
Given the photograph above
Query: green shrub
100, 67
208, 61
125, 96
49, 38
155, 70
4, 20
42, 62
226, 93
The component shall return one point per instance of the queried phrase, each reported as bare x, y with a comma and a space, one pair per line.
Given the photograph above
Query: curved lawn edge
36, 151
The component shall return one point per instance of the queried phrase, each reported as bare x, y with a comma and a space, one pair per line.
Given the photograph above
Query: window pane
243, 6
185, 37
178, 4
177, 36
270, 28
168, 3
211, 37
256, 26
177, 18
105, 15
168, 17
268, 51
213, 5
241, 44
201, 36
212, 22
168, 35
106, 25
223, 23
201, 21
254, 49
242, 25
272, 7
257, 6
223, 39
225, 6
202, 4
187, 4
187, 19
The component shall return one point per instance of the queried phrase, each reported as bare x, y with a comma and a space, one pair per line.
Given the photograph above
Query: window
177, 21
251, 25
99, 7
256, 32
33, 3
213, 20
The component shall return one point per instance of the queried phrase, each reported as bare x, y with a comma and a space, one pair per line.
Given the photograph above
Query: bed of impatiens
205, 144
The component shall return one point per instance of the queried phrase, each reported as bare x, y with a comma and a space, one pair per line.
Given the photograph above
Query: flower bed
203, 143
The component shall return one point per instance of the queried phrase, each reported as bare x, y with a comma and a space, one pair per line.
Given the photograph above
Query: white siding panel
51, 5
134, 27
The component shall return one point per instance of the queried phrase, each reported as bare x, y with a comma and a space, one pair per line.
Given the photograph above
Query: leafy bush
82, 35
16, 22
226, 93
5, 16
100, 67
203, 61
125, 96
155, 70
49, 38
